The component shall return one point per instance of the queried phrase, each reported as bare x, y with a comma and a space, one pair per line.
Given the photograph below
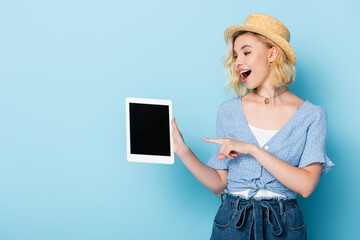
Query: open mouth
245, 75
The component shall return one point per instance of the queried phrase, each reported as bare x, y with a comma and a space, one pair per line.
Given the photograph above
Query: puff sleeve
220, 133
315, 145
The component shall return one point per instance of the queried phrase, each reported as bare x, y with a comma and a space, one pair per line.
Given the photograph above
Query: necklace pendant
266, 101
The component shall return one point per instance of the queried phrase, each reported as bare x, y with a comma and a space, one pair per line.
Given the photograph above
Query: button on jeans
271, 219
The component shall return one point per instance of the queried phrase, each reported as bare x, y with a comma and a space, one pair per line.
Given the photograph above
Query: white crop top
262, 136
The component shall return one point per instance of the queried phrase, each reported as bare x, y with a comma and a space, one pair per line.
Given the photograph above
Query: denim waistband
273, 206
230, 198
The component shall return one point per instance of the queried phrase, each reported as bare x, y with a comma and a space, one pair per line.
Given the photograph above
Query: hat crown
267, 26
268, 23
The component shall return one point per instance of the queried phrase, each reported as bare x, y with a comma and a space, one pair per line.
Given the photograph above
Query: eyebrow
243, 47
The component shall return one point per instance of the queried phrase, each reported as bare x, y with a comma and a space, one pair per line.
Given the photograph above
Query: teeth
245, 71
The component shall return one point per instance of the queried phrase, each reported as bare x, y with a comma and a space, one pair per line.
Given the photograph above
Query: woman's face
251, 54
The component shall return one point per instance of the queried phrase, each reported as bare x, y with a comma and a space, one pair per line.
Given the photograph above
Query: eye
235, 56
247, 53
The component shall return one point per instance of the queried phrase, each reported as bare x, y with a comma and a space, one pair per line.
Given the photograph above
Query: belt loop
281, 206
221, 196
237, 203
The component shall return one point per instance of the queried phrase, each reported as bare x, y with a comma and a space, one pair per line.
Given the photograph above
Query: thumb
174, 123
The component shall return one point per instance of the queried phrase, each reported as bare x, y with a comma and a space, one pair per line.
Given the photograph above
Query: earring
268, 64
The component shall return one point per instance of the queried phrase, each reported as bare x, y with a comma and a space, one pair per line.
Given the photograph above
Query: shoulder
228, 104
228, 110
316, 109
316, 113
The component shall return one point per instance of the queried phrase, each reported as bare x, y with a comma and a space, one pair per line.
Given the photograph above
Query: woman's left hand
230, 147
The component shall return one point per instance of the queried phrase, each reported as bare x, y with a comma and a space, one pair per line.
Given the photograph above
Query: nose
238, 63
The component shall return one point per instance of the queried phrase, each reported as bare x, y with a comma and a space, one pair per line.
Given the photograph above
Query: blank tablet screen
149, 129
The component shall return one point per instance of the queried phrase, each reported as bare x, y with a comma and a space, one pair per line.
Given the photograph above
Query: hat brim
283, 44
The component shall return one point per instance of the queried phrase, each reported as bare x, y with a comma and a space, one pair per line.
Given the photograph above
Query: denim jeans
271, 219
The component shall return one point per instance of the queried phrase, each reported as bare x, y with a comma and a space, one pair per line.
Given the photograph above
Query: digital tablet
148, 130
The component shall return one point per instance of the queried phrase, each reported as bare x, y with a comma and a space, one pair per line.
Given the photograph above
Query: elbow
307, 191
310, 180
219, 190
305, 194
217, 193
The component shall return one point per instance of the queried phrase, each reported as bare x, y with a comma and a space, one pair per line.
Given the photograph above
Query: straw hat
267, 26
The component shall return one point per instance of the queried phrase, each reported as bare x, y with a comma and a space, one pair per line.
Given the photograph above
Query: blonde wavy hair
282, 72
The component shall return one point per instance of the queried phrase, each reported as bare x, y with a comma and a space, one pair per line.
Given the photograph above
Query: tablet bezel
141, 157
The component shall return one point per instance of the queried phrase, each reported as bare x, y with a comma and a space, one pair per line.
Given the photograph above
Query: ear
273, 52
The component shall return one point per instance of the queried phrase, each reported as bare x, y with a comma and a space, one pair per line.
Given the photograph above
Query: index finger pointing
218, 140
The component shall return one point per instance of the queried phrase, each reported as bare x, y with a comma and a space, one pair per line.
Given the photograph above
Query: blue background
66, 68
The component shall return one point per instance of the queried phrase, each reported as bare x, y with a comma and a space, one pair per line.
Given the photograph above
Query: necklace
266, 100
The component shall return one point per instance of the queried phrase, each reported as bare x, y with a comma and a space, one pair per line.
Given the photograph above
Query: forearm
294, 178
205, 174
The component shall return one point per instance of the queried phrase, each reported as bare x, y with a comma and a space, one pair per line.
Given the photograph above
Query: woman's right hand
178, 141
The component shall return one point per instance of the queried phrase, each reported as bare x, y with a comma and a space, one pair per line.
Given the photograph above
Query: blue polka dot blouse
300, 142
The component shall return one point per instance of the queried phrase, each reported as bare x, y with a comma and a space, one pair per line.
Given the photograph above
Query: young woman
270, 146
